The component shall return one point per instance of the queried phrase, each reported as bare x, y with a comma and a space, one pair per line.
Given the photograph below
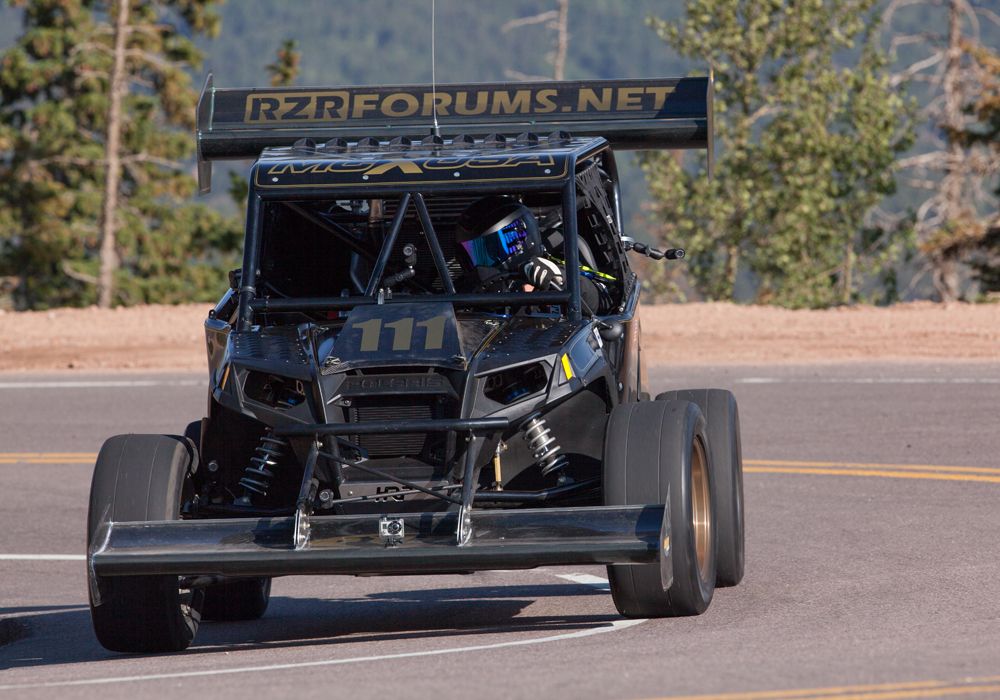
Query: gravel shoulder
170, 338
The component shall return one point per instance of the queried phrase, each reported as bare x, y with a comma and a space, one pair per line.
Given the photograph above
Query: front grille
396, 409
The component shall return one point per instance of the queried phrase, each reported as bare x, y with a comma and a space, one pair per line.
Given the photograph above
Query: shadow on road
64, 636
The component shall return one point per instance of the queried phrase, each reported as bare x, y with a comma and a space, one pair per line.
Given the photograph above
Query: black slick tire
141, 478
654, 452
722, 414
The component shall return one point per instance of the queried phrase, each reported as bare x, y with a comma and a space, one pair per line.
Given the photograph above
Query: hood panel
525, 338
393, 335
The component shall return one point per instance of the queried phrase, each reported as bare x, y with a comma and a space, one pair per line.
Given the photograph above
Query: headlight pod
580, 357
515, 383
273, 390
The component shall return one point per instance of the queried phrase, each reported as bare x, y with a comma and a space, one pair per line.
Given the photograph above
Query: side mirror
611, 331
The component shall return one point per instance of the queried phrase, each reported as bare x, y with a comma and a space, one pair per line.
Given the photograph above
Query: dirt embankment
171, 337
720, 333
141, 337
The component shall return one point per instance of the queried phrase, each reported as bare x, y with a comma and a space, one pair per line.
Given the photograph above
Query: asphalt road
872, 568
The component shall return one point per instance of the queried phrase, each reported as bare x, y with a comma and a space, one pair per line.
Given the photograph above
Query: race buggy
429, 362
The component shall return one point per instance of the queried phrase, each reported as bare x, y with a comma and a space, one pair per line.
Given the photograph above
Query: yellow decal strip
567, 368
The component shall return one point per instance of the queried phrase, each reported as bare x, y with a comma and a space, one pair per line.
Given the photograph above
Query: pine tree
804, 149
51, 111
59, 125
952, 175
984, 250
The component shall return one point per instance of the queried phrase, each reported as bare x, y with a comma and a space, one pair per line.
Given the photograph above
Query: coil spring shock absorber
259, 473
543, 446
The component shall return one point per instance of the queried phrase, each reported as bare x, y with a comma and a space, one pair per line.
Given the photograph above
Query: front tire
141, 478
656, 452
723, 417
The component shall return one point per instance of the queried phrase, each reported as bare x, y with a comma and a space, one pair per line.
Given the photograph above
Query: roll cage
306, 173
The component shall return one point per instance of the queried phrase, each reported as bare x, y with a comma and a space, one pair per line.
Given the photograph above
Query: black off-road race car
430, 362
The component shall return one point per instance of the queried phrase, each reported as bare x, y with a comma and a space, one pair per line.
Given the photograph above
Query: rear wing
630, 114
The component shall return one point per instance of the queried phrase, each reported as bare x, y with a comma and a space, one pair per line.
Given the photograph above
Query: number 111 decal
374, 329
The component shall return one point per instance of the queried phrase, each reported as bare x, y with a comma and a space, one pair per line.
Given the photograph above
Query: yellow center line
867, 465
46, 455
875, 472
929, 693
935, 472
72, 460
880, 691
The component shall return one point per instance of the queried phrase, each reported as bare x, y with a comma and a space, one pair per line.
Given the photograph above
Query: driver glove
544, 274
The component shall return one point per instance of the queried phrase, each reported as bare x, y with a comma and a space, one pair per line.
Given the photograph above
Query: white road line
867, 380
102, 383
587, 580
614, 626
583, 579
43, 557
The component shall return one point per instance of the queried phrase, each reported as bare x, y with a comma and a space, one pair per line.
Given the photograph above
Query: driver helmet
498, 232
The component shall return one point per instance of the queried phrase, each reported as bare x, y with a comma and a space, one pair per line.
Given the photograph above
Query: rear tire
723, 417
240, 599
657, 452
141, 478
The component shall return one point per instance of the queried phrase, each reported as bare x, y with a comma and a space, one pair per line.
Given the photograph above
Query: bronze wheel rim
701, 508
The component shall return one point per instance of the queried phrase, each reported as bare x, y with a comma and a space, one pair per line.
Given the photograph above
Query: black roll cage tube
512, 299
248, 303
434, 243
390, 242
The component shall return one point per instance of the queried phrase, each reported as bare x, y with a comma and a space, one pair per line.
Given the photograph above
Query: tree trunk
847, 280
945, 276
112, 145
562, 42
732, 268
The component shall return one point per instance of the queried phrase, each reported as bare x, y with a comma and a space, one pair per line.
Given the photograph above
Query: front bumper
353, 544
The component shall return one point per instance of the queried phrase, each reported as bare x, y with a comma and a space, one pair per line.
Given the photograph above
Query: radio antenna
434, 109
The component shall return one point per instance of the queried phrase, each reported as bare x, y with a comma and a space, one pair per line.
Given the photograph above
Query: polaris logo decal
396, 383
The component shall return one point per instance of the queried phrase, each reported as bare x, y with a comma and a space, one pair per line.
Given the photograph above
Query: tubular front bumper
357, 544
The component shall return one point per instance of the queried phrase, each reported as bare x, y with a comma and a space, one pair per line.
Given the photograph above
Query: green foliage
50, 169
804, 150
184, 257
53, 117
285, 68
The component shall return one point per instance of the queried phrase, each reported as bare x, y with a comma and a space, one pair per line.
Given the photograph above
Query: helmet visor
492, 249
